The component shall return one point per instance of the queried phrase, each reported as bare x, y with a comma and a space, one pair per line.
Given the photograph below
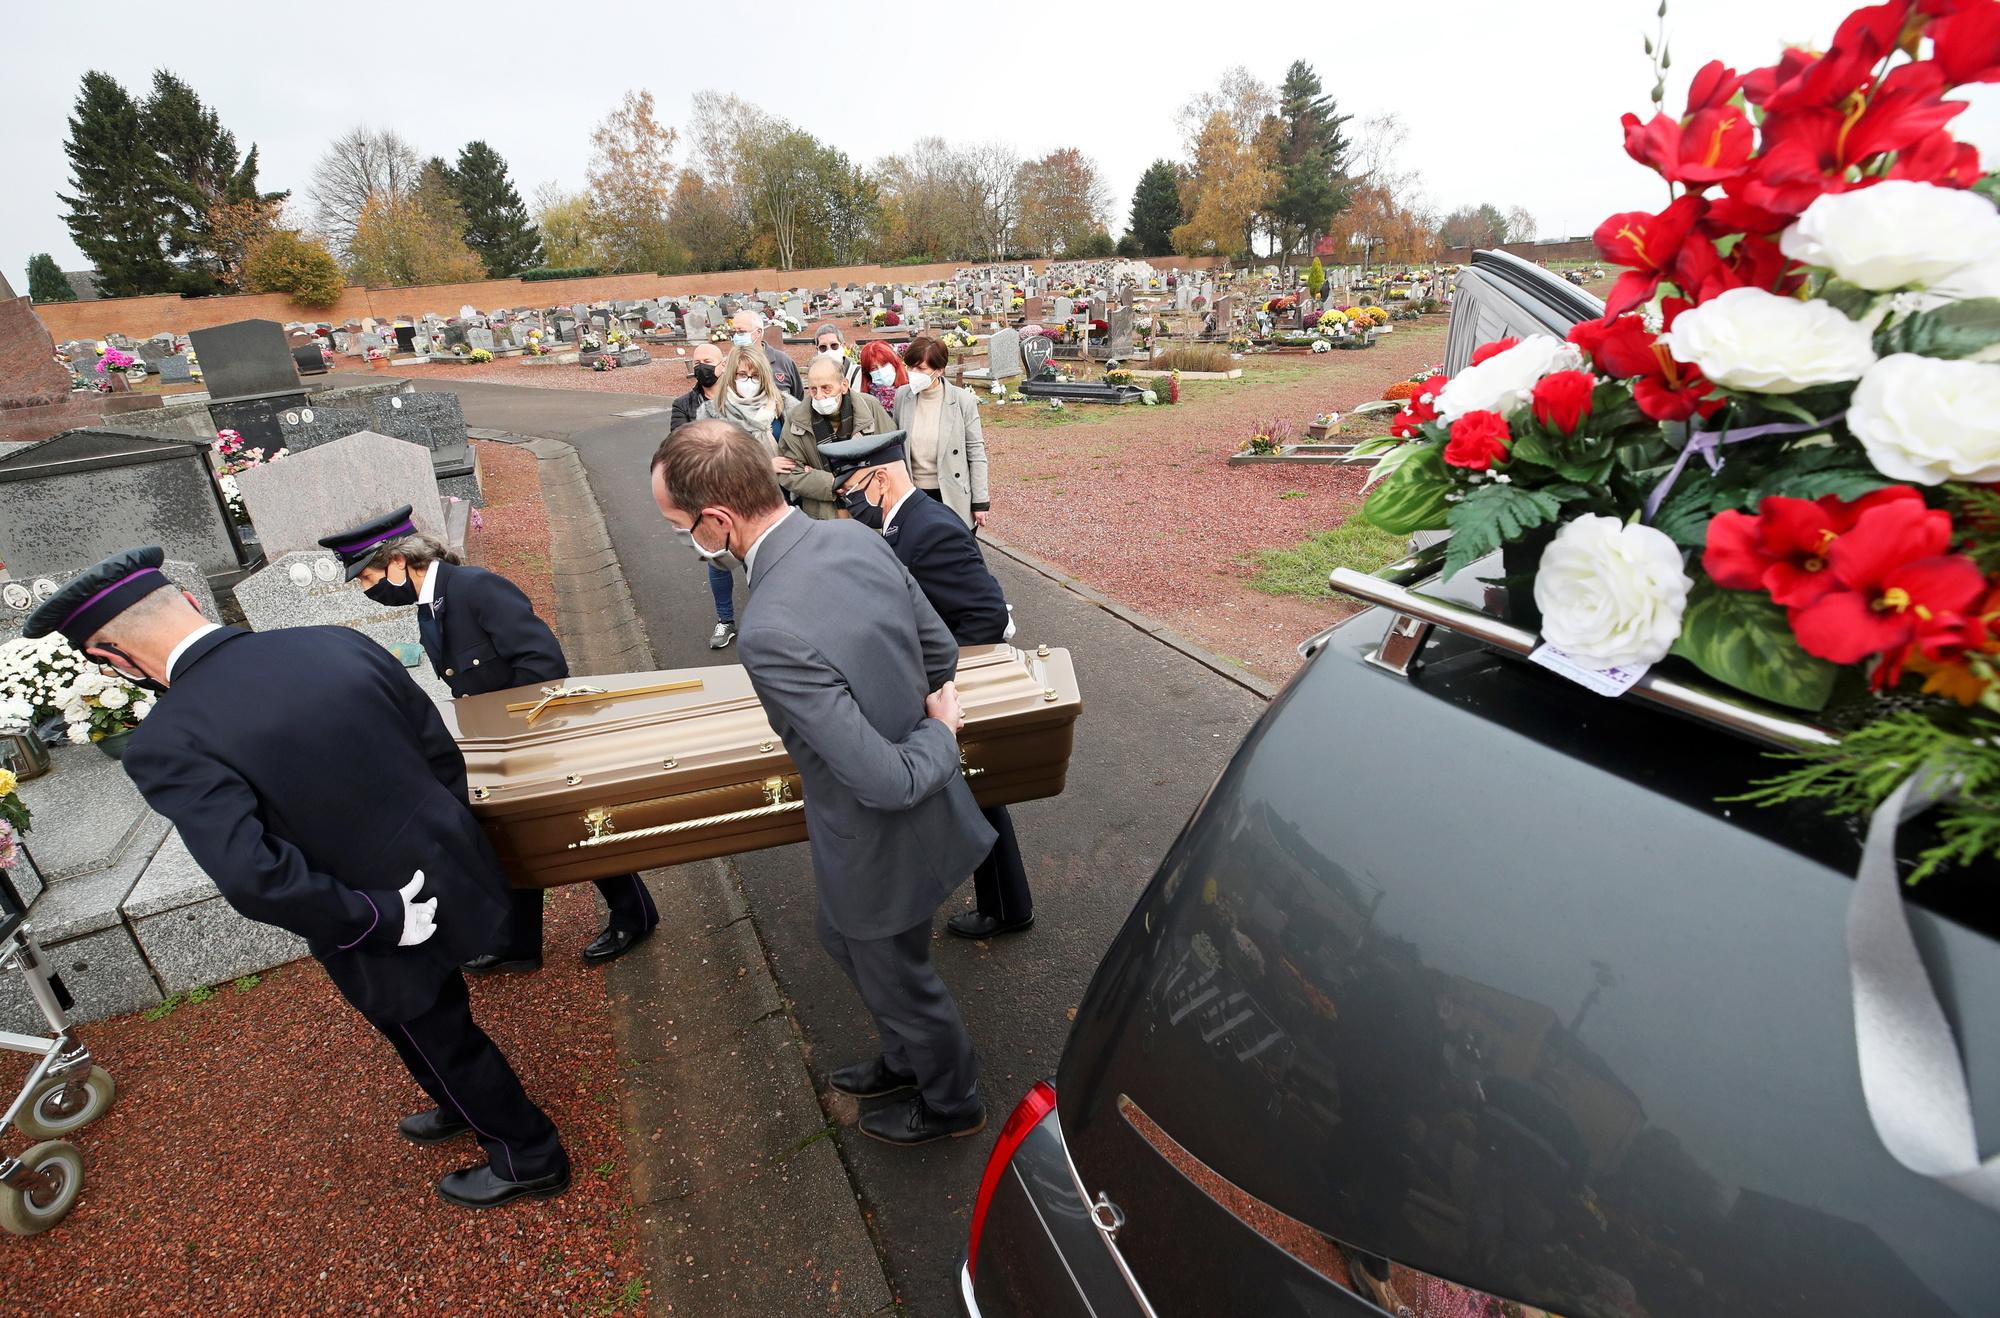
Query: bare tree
1522, 226
631, 181
992, 183
1239, 94
365, 165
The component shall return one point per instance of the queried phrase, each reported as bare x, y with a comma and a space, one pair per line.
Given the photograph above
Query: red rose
1562, 399
1493, 349
1478, 440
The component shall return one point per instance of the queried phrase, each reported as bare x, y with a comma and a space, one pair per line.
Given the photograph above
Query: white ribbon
1912, 1076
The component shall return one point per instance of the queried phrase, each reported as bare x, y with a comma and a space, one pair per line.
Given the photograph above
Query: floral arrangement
647, 325
1239, 343
49, 678
965, 323
604, 362
1172, 393
1327, 420
1322, 345
15, 819
537, 348
960, 338
233, 457
114, 360
481, 355
1018, 302
1331, 317
1056, 405
1775, 456
1269, 438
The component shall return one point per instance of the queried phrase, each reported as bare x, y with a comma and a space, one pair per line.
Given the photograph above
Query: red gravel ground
1144, 506
251, 1163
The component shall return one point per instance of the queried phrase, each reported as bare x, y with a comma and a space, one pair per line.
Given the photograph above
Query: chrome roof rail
1417, 614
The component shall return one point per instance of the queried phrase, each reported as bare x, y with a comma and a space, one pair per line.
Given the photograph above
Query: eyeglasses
829, 347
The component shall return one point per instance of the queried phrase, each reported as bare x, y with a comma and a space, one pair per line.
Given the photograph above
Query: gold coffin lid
642, 724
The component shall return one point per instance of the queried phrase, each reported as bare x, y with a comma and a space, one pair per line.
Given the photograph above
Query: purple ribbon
1705, 442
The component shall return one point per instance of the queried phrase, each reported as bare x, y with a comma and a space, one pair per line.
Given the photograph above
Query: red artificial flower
1478, 440
1493, 349
1404, 424
1941, 159
1811, 151
1561, 399
1966, 45
1803, 80
1709, 143
1422, 405
1703, 271
1648, 245
1896, 584
1782, 548
1664, 388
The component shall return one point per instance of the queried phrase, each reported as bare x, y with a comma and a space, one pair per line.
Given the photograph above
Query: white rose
1611, 595
79, 734
1503, 381
141, 708
1929, 421
115, 698
1761, 343
1895, 233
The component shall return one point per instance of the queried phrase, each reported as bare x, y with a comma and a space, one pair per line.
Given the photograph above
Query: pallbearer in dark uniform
332, 805
481, 635
874, 485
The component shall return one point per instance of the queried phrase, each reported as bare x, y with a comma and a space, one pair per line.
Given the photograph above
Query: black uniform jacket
492, 638
941, 554
311, 801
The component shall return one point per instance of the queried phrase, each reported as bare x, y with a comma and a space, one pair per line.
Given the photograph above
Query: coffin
663, 768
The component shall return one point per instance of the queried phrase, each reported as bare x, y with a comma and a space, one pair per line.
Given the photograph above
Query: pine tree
497, 226
46, 281
115, 212
1312, 160
1156, 210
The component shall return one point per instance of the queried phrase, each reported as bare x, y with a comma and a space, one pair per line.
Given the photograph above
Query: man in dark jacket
704, 360
943, 558
481, 634
331, 804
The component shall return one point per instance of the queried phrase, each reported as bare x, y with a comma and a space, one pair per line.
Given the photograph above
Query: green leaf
1411, 498
1589, 464
1491, 516
1958, 329
1841, 482
1786, 407
1685, 516
1368, 448
1740, 637
1989, 188
1852, 299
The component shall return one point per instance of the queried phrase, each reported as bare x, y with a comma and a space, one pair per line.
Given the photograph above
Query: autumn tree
417, 238
1156, 210
703, 223
1225, 188
562, 223
1063, 201
361, 166
991, 181
284, 261
631, 186
234, 227
926, 203
1385, 196
1521, 225
1484, 225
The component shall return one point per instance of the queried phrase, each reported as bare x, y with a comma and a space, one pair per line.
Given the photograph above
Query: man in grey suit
854, 669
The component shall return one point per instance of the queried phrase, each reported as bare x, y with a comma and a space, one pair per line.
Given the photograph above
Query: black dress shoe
978, 924
612, 944
481, 1187
912, 1122
495, 963
873, 1078
432, 1127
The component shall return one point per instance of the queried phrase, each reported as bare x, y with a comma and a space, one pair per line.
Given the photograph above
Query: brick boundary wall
142, 316
1569, 249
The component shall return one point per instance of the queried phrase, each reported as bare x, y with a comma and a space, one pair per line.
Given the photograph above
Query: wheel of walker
55, 1176
62, 1105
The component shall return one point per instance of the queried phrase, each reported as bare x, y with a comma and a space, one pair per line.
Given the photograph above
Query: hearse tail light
1036, 1104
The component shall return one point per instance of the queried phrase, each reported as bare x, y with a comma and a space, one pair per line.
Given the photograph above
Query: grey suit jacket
842, 648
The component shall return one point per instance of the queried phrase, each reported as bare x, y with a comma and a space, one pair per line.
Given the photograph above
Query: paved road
1156, 729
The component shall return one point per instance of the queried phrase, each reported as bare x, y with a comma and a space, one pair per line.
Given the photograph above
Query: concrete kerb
698, 1014
1146, 623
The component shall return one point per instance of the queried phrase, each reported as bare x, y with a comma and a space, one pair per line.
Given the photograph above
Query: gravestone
310, 358
1003, 354
175, 369
1035, 354
185, 576
156, 350
307, 588
696, 322
295, 502
774, 337
1031, 310
1120, 341
479, 338
88, 493
245, 359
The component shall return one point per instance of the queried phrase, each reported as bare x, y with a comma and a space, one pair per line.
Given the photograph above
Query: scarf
754, 416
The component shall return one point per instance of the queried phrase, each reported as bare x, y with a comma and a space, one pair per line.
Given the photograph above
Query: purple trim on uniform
78, 610
438, 1075
405, 527
371, 924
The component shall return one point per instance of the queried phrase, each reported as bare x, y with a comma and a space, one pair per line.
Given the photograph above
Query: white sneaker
724, 633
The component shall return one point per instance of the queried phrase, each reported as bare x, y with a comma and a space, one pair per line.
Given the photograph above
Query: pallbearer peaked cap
82, 608
356, 545
843, 456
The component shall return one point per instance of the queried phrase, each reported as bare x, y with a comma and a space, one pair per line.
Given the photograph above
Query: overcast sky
1515, 103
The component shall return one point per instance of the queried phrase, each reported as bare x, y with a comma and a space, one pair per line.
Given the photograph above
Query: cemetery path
1157, 727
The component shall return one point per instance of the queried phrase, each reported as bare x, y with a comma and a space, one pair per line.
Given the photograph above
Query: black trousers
625, 897
915, 1015
1001, 881
463, 1072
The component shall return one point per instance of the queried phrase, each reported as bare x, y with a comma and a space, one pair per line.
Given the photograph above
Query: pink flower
7, 856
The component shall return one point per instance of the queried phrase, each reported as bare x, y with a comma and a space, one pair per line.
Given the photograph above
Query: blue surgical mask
883, 376
740, 339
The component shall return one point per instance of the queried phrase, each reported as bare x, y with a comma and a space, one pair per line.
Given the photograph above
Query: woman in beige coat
946, 449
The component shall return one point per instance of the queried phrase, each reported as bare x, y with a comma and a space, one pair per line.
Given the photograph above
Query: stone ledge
207, 942
72, 907
104, 971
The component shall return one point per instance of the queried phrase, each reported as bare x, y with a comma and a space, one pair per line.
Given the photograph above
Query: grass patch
244, 983
1294, 494
1302, 570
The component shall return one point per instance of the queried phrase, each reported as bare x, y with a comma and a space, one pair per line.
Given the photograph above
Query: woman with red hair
883, 371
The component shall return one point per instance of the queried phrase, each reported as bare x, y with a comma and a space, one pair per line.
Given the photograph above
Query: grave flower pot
114, 744
24, 755
1519, 561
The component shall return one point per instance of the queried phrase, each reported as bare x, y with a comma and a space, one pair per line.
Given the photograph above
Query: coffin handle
777, 801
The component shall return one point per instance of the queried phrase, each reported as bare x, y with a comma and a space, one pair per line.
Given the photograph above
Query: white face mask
741, 338
830, 352
748, 387
919, 382
883, 376
724, 558
826, 406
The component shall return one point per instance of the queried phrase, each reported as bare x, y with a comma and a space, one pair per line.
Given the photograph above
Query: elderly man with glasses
827, 342
831, 411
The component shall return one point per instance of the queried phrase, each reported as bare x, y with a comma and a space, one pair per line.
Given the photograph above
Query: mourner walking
944, 559
832, 410
854, 669
316, 784
481, 634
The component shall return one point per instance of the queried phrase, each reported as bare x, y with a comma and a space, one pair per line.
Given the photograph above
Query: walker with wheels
63, 1094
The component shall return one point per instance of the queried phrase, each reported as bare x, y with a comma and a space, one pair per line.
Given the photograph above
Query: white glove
419, 918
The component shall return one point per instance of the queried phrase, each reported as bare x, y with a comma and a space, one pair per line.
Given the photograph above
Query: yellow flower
1952, 681
7, 782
